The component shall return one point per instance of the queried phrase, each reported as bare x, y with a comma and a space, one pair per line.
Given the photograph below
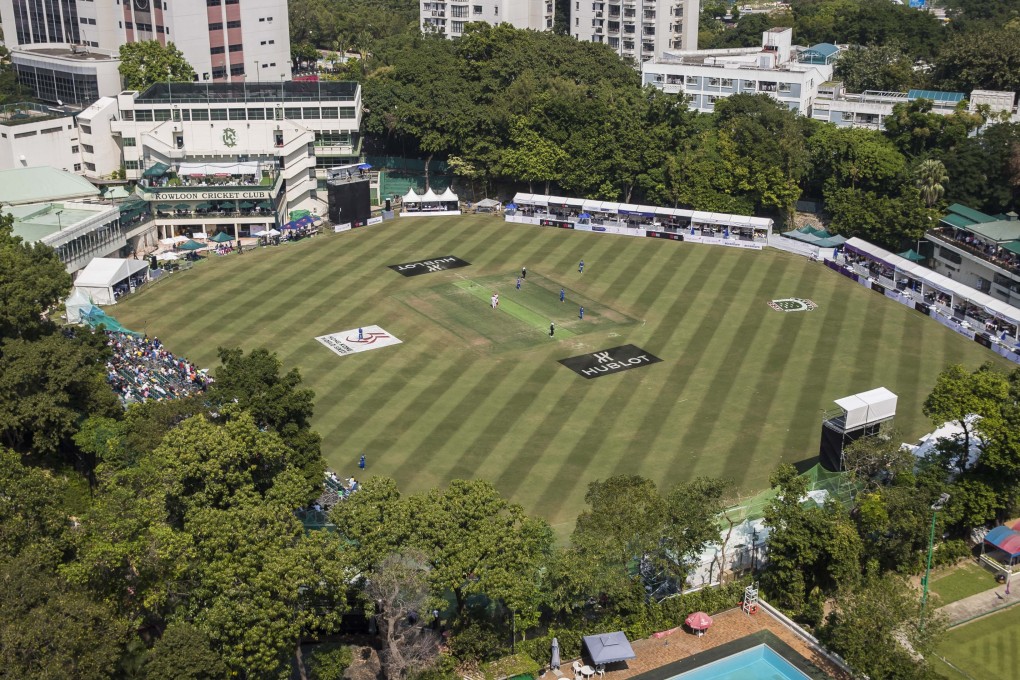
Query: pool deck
659, 659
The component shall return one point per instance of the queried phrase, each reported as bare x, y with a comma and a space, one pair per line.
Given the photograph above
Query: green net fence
822, 485
97, 318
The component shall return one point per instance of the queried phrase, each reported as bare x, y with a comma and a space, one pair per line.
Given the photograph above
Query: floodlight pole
935, 507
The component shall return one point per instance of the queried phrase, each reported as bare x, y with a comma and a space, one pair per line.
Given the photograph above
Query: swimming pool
757, 663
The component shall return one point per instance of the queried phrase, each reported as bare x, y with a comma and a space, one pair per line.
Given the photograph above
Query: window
256, 114
77, 167
217, 26
237, 69
713, 82
236, 48
347, 112
185, 114
477, 9
90, 166
161, 114
217, 50
218, 114
199, 114
144, 116
128, 114
234, 24
212, 3
330, 113
292, 113
457, 26
130, 165
950, 255
785, 87
87, 129
219, 72
848, 116
129, 141
692, 80
726, 82
74, 149
310, 113
237, 114
85, 147
459, 12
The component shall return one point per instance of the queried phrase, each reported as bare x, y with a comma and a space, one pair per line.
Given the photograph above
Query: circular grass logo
792, 305
230, 137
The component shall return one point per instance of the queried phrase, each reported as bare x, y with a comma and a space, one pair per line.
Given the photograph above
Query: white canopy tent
429, 197
244, 168
411, 197
448, 196
77, 301
98, 279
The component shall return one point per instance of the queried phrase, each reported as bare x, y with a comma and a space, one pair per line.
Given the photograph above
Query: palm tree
931, 176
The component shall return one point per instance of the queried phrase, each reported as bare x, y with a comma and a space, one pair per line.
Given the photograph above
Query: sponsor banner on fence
730, 242
346, 226
436, 264
672, 236
358, 340
613, 360
374, 220
556, 223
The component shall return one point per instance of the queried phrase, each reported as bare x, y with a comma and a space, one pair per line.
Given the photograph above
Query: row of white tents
431, 197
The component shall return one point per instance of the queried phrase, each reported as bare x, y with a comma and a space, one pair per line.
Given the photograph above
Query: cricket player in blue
361, 336
518, 283
580, 313
580, 267
562, 295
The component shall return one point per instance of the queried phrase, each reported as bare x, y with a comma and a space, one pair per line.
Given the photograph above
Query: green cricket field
473, 391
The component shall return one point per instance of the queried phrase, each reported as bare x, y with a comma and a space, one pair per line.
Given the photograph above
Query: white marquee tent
99, 277
411, 197
77, 301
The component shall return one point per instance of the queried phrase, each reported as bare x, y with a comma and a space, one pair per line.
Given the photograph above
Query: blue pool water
757, 663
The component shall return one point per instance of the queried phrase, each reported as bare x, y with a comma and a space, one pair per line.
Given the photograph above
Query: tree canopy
147, 62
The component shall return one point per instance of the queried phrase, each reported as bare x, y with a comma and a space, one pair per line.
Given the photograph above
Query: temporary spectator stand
859, 415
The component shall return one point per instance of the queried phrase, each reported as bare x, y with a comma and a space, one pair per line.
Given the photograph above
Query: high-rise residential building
639, 29
449, 17
66, 50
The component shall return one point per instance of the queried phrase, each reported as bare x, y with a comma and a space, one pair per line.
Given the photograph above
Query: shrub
510, 666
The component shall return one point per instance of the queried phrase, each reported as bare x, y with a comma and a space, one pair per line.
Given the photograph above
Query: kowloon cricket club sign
608, 361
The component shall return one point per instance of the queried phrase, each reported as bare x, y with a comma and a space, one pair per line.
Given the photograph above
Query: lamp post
60, 226
935, 507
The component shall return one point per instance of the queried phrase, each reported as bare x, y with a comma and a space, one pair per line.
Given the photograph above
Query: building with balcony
67, 50
232, 157
870, 108
979, 250
66, 212
638, 29
450, 17
790, 74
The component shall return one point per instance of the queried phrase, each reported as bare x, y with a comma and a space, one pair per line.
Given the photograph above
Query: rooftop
28, 112
936, 96
42, 184
75, 52
169, 93
37, 221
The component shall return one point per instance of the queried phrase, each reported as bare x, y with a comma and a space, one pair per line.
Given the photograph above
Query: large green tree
985, 59
960, 394
32, 280
147, 62
883, 67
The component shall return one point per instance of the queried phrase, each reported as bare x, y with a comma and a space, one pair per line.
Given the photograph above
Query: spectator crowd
142, 369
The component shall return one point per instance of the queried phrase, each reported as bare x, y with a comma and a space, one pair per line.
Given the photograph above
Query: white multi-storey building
449, 17
791, 75
37, 135
639, 29
234, 157
67, 50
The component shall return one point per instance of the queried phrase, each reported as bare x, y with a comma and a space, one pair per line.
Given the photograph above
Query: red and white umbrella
698, 621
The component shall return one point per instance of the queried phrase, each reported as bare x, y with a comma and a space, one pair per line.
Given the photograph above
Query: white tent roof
245, 168
103, 272
411, 197
78, 297
429, 196
951, 431
488, 203
868, 407
448, 195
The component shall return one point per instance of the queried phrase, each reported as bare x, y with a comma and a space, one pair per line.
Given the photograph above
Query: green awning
955, 220
164, 206
182, 206
1012, 246
191, 245
203, 206
266, 205
246, 205
156, 170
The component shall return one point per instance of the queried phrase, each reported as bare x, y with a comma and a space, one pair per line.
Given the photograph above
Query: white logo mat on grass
352, 342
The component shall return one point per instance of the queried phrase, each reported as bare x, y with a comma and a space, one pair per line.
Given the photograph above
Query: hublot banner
608, 361
664, 234
436, 264
556, 223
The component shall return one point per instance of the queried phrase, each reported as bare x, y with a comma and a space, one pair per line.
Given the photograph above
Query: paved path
988, 602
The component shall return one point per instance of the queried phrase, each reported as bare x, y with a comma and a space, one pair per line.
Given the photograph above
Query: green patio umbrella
191, 245
246, 205
265, 205
912, 255
156, 170
182, 206
203, 206
221, 237
164, 206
